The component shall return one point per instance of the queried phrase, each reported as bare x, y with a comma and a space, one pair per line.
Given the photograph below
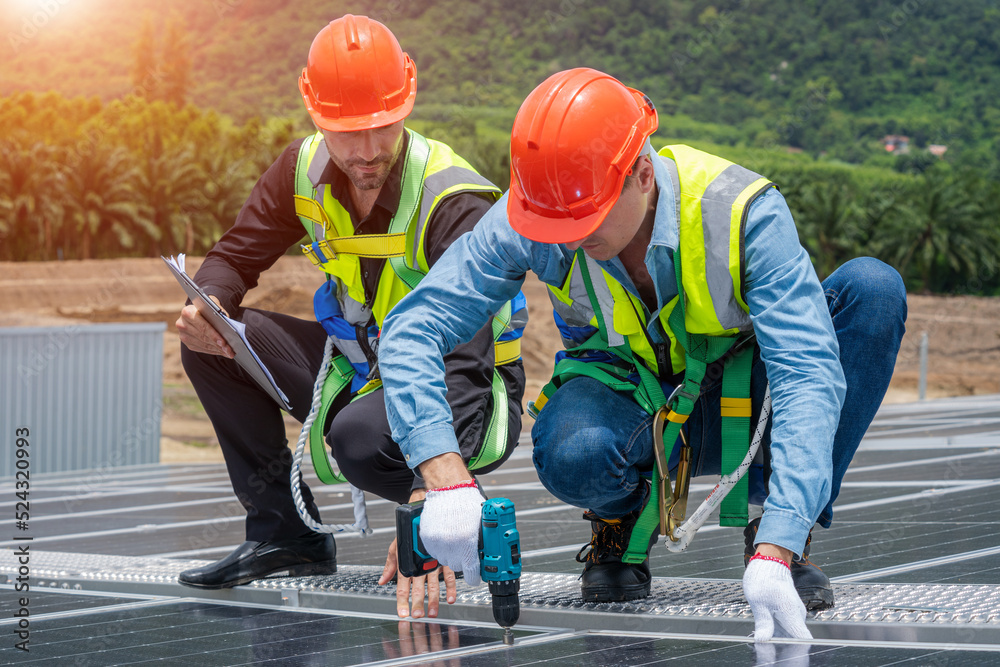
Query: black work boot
811, 583
605, 577
296, 557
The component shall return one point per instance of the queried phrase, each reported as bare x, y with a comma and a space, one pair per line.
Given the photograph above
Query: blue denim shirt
487, 266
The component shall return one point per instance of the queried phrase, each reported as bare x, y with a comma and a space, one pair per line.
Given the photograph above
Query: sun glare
39, 11
26, 19
32, 5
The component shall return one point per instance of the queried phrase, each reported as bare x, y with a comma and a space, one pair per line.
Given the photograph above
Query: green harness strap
610, 375
340, 376
681, 406
341, 372
650, 395
699, 352
735, 408
495, 442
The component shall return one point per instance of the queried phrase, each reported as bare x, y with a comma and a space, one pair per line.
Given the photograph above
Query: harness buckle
679, 391
662, 471
682, 484
671, 502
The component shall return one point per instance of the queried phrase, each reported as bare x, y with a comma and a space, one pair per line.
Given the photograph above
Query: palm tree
227, 183
946, 228
6, 187
263, 143
829, 223
32, 215
169, 182
103, 205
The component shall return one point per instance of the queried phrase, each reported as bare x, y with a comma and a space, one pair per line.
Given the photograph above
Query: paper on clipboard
232, 331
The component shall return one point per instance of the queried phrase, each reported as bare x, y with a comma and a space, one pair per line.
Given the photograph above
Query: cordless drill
499, 555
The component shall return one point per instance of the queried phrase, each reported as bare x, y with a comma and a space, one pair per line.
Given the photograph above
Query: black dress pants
251, 431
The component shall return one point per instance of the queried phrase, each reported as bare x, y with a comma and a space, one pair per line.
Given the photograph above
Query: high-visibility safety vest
432, 172
712, 197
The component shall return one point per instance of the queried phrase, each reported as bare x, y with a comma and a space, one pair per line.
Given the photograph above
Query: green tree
225, 188
169, 183
176, 62
145, 75
103, 208
829, 224
29, 178
262, 143
943, 227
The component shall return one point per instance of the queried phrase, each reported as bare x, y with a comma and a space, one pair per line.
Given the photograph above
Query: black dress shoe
811, 583
296, 557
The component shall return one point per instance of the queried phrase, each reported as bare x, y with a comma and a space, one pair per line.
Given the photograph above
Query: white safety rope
360, 524
685, 532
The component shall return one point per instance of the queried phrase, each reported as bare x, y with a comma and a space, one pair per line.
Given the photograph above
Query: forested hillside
823, 76
207, 88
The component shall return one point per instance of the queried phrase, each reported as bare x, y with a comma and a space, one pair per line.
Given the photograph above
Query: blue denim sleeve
466, 286
800, 352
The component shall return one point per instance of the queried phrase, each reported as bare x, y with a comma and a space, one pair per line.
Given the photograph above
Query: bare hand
407, 587
200, 336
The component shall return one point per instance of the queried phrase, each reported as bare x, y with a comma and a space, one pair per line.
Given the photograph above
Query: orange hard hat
574, 140
357, 77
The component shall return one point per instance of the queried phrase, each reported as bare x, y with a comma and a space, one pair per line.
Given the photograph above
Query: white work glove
777, 609
449, 528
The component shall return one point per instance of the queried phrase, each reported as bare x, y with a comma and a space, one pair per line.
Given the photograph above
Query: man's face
366, 156
618, 228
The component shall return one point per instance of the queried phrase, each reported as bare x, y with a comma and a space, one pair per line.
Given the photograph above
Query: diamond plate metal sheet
933, 605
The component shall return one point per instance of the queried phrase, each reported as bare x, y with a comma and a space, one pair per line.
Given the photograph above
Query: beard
368, 175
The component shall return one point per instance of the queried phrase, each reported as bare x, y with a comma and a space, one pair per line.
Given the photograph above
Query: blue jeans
592, 444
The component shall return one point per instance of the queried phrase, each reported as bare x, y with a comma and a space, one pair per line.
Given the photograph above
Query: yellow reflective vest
713, 196
432, 173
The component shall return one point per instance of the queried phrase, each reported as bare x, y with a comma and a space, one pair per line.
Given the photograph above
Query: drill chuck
506, 604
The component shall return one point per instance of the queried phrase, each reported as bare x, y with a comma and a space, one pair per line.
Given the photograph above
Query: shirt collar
666, 223
665, 235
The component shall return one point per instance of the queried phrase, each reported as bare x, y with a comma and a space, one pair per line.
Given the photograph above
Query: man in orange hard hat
681, 292
380, 204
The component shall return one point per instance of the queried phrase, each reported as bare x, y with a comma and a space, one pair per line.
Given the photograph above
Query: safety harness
402, 246
717, 194
700, 351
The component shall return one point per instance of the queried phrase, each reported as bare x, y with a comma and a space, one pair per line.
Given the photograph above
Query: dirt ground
963, 332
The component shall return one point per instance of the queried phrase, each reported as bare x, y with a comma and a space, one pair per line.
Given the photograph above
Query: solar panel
914, 554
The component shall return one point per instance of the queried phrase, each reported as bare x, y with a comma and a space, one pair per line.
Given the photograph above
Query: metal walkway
914, 554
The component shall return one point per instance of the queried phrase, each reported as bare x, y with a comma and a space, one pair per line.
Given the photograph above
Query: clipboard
232, 331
